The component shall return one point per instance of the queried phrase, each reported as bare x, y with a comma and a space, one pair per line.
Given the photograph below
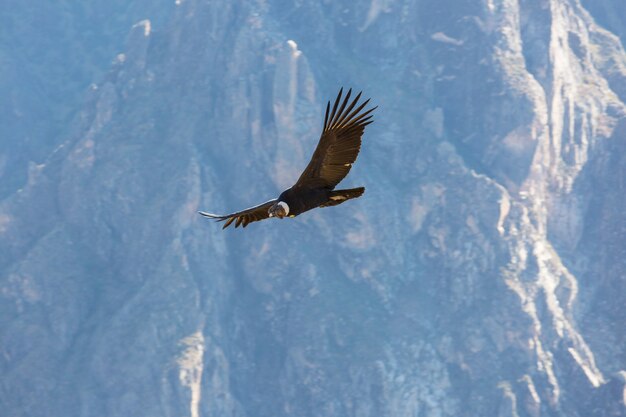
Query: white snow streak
191, 366
147, 28
376, 8
442, 37
294, 48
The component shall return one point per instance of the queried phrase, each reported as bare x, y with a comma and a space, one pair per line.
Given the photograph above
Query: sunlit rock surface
481, 274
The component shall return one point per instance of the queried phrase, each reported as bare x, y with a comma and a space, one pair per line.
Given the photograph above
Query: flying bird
336, 151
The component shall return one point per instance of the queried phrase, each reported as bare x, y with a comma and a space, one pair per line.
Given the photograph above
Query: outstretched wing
243, 217
339, 144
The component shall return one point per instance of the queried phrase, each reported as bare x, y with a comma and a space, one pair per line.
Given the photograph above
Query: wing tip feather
209, 215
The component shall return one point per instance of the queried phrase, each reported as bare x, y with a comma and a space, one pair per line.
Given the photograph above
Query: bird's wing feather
243, 217
339, 144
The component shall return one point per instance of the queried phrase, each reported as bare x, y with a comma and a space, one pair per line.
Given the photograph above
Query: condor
336, 151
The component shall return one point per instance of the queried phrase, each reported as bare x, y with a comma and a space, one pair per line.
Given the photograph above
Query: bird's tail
339, 196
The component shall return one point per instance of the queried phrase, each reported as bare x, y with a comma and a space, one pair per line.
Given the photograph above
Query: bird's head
279, 209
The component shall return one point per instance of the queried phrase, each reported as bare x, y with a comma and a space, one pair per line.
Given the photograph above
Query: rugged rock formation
481, 273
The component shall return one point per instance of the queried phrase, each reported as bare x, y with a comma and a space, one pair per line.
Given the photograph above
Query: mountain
481, 274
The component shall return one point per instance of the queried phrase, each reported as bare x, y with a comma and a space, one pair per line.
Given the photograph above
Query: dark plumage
336, 151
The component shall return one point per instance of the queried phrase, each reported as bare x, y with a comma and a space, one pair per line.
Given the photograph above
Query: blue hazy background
481, 274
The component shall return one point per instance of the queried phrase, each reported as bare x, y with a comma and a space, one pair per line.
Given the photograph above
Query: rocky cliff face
481, 273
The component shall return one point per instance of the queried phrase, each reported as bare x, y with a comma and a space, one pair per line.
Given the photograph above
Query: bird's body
301, 199
336, 151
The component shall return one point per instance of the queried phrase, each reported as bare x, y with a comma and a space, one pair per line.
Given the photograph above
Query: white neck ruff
284, 206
